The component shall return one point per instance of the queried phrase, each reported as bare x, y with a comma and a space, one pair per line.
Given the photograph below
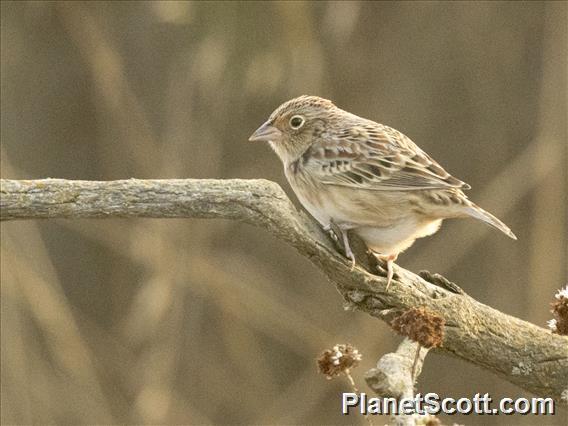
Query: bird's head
294, 125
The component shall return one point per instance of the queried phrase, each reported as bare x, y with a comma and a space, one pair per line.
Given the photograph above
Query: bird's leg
336, 229
348, 253
389, 261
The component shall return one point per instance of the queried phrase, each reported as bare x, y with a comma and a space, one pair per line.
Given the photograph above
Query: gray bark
522, 353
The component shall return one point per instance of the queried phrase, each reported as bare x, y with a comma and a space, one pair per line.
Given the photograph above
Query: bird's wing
375, 157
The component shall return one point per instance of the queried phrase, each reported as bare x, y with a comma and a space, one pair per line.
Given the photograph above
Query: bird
356, 175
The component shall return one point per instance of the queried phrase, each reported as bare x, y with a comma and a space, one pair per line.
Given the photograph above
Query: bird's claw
349, 254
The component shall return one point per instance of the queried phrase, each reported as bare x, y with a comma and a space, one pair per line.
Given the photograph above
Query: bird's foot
389, 260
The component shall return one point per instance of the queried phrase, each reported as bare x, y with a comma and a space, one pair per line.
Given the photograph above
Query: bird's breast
312, 195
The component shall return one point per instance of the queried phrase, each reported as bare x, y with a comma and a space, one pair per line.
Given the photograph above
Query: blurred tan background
211, 322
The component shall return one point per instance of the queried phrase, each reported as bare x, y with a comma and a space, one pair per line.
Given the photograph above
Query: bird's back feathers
368, 155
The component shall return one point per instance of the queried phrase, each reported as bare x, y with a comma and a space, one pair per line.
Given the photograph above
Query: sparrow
356, 175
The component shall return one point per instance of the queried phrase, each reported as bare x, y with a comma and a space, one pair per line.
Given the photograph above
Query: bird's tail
478, 213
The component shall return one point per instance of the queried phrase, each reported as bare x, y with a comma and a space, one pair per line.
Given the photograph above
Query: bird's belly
397, 238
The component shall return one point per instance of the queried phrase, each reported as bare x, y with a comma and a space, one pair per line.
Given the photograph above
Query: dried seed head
422, 326
340, 359
559, 324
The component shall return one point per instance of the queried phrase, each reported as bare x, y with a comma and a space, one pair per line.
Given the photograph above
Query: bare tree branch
520, 352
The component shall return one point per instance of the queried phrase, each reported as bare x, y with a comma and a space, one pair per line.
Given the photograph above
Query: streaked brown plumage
365, 177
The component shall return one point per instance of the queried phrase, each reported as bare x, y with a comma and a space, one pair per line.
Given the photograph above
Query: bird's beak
266, 133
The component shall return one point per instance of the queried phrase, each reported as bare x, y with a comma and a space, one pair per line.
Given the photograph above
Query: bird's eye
296, 122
